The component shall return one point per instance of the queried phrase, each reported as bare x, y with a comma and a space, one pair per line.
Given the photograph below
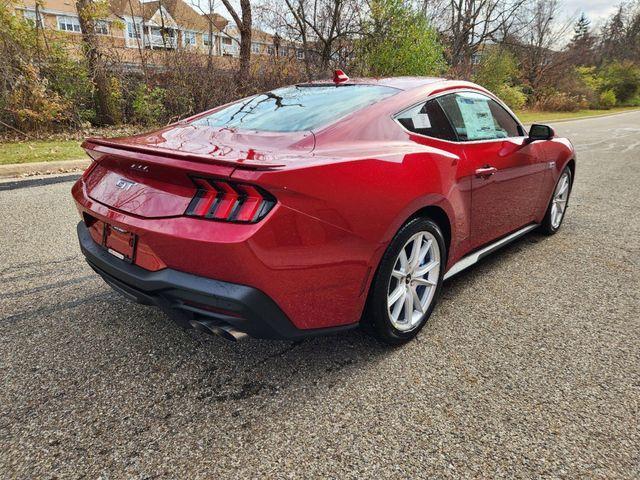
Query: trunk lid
149, 175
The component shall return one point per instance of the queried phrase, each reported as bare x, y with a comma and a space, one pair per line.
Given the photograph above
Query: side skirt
474, 257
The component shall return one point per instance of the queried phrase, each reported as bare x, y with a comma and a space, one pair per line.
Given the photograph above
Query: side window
427, 119
477, 117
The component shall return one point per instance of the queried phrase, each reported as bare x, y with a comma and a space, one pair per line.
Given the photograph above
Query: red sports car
318, 207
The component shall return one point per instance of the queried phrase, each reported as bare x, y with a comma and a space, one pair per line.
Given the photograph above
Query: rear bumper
245, 308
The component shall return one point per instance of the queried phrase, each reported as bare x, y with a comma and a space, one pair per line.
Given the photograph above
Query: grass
530, 116
40, 151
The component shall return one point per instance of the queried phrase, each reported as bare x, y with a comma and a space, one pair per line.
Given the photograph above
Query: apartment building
131, 26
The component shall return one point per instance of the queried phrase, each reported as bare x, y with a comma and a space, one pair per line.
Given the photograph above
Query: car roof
401, 83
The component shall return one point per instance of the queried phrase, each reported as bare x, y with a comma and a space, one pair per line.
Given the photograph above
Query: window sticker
478, 119
421, 120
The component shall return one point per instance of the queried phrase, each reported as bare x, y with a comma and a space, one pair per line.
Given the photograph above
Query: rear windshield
296, 108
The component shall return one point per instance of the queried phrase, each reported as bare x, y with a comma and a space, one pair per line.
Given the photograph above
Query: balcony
154, 38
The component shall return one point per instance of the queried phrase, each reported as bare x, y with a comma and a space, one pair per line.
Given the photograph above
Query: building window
188, 38
33, 18
101, 27
270, 50
226, 41
133, 29
255, 47
300, 54
206, 39
283, 51
69, 24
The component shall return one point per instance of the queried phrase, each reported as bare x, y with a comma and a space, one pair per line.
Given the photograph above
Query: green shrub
497, 68
512, 96
42, 88
607, 99
498, 73
148, 105
623, 78
399, 41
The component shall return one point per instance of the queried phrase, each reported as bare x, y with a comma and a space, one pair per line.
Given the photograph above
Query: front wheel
558, 204
407, 283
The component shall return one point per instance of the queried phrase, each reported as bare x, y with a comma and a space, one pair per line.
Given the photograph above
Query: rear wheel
408, 281
558, 205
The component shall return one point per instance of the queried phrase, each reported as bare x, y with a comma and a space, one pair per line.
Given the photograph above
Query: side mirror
540, 132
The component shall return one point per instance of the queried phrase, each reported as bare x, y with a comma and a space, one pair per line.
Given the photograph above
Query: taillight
229, 201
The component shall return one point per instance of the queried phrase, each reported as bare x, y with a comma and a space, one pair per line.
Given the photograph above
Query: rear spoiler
111, 147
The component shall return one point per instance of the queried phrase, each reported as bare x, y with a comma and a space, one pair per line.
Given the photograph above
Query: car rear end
211, 218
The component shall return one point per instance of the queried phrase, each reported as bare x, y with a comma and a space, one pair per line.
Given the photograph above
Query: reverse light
229, 201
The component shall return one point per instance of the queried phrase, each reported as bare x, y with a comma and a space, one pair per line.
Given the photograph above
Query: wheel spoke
420, 272
424, 250
398, 274
414, 258
404, 263
416, 300
396, 295
565, 186
424, 281
395, 313
408, 307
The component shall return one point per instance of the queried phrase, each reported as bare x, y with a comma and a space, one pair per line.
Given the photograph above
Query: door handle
486, 171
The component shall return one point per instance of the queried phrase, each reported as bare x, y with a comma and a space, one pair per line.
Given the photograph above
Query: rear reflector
229, 201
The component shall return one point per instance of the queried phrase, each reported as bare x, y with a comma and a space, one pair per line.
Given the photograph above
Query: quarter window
477, 117
427, 119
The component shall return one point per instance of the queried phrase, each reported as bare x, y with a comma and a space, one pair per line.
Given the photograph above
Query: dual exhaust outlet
220, 329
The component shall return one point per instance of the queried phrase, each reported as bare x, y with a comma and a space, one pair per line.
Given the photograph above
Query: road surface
529, 367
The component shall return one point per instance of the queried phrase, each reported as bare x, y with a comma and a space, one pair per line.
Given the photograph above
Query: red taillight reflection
229, 201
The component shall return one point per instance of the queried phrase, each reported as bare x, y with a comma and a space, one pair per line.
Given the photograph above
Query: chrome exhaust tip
215, 328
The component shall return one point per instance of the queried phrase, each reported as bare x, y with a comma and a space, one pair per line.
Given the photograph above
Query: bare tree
105, 113
210, 16
244, 23
537, 45
326, 28
469, 24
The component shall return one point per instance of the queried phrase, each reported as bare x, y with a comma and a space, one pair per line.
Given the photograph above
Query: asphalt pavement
529, 367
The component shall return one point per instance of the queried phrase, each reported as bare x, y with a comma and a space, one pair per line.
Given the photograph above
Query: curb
40, 168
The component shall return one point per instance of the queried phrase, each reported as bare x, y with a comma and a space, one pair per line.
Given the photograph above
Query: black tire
547, 227
377, 319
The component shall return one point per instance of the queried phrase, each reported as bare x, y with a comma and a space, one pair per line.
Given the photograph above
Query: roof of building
184, 15
181, 12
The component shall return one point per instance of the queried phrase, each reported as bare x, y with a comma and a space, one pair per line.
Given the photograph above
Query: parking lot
529, 367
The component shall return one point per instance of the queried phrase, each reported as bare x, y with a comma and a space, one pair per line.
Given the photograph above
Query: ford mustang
318, 207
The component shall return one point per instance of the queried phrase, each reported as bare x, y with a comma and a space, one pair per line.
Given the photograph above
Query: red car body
340, 194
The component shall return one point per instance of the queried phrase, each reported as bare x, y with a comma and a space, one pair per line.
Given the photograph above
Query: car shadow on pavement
129, 344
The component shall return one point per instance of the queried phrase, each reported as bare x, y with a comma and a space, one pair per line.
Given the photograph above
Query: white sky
596, 10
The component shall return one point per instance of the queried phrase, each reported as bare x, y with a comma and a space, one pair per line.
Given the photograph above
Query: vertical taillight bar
229, 201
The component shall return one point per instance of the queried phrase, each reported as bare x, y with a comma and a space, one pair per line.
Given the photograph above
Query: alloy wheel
559, 201
413, 281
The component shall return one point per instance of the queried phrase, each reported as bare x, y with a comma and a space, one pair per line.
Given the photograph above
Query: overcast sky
596, 10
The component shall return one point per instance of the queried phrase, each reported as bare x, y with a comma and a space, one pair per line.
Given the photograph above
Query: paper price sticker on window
421, 120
